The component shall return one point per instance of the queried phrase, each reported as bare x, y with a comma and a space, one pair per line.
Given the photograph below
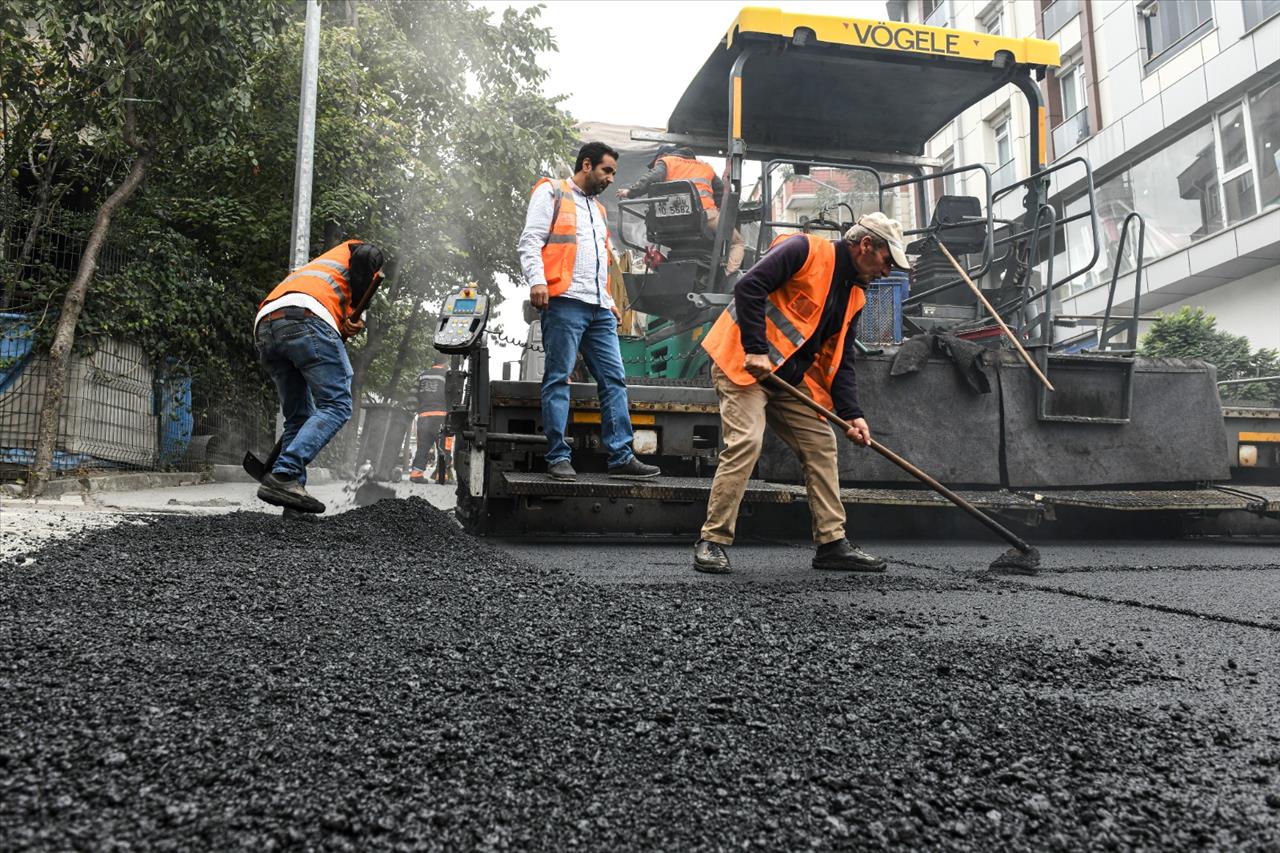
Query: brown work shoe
287, 491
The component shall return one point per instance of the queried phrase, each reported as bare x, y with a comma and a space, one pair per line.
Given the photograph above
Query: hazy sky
627, 62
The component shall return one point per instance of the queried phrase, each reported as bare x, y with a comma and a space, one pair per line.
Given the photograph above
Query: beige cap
888, 230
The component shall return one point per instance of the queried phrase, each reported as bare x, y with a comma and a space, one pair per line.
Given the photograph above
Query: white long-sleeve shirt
591, 261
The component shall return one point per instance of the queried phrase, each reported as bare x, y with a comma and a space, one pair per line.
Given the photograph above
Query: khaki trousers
733, 262
744, 411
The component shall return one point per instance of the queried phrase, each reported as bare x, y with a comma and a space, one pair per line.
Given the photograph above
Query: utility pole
300, 239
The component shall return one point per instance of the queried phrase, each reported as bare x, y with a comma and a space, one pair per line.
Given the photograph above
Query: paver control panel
462, 321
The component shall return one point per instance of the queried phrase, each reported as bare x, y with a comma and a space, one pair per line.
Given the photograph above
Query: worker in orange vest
794, 314
431, 414
679, 164
565, 252
300, 333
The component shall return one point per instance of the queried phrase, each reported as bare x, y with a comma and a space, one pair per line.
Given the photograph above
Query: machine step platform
1153, 500
694, 489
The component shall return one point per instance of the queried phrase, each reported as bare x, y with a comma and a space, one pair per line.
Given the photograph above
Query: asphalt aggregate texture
384, 681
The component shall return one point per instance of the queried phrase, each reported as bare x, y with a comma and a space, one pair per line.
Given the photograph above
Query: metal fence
120, 411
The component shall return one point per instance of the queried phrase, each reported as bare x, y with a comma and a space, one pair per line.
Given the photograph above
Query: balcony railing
1005, 175
1071, 133
1058, 13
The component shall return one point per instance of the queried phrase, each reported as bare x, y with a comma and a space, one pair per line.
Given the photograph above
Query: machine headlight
645, 442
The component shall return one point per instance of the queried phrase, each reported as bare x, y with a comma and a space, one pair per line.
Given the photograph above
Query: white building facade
1176, 106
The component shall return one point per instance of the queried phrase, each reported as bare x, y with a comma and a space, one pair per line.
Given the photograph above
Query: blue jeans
567, 326
308, 362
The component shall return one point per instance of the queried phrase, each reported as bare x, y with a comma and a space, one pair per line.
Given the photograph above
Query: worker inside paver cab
300, 333
677, 163
565, 253
431, 415
795, 314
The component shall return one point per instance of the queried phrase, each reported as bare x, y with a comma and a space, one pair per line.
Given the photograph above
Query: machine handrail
1131, 339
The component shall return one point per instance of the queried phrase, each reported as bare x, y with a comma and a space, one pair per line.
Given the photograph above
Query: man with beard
564, 254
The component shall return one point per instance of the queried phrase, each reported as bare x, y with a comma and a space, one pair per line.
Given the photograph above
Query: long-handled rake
1020, 559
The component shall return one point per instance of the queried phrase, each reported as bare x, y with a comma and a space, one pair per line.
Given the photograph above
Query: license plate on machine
672, 205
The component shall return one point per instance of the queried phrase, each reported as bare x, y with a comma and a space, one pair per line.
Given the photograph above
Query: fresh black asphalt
383, 681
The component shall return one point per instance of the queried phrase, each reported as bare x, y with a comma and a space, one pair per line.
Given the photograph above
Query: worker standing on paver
431, 415
300, 334
677, 163
564, 253
794, 314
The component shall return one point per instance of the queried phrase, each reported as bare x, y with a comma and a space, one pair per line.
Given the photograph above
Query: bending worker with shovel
794, 315
301, 332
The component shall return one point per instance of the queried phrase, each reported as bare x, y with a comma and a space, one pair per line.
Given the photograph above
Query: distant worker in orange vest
794, 314
300, 334
564, 253
431, 414
679, 164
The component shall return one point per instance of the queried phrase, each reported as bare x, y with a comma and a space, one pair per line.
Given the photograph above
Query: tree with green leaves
144, 80
1191, 333
431, 128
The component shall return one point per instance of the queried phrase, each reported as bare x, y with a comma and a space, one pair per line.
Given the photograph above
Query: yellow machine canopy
821, 82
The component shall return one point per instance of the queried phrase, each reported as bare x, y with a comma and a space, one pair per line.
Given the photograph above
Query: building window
1004, 144
945, 185
1074, 126
1216, 176
1169, 26
1238, 195
937, 13
1071, 89
1264, 116
992, 20
1257, 11
1058, 14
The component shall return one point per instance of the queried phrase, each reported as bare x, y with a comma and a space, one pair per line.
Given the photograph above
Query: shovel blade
370, 493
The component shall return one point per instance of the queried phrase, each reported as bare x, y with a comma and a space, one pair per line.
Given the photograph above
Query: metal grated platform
984, 499
659, 488
1266, 497
1145, 500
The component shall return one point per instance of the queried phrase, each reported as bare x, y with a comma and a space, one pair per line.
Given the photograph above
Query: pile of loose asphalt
383, 680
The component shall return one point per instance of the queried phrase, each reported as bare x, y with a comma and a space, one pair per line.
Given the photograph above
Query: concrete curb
114, 483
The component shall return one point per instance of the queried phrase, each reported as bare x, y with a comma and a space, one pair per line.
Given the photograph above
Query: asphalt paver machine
833, 115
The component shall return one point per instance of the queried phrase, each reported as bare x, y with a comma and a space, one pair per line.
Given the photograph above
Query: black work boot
843, 555
287, 491
561, 470
710, 557
634, 469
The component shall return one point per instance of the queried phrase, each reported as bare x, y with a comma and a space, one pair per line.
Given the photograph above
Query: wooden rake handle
995, 526
1026, 356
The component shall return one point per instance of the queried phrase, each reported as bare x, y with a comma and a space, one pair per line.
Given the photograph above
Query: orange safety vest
561, 248
684, 169
326, 278
791, 317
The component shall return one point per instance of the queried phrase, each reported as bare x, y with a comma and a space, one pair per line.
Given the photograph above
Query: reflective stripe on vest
326, 279
701, 174
792, 315
561, 248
